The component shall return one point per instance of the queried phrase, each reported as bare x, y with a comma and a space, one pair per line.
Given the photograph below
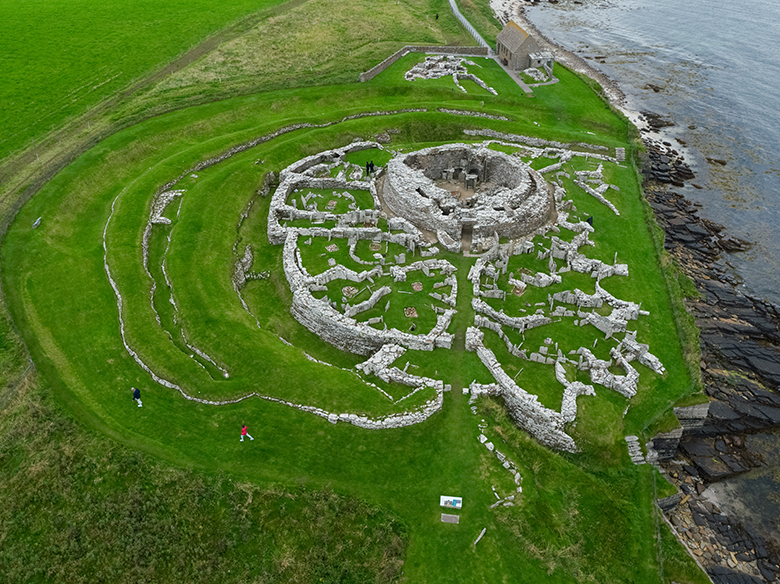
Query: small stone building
519, 50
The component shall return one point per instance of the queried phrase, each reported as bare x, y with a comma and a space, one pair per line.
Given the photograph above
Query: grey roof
512, 37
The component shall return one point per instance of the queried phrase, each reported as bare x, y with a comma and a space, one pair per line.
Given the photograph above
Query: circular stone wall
444, 188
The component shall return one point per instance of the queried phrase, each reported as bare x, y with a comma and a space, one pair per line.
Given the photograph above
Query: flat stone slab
417, 286
332, 247
349, 291
410, 311
447, 518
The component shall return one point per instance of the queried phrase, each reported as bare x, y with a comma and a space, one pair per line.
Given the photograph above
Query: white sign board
451, 502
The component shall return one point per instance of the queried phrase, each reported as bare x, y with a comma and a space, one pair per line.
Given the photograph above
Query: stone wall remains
445, 50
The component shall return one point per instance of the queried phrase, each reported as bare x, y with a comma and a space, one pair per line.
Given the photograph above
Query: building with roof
519, 50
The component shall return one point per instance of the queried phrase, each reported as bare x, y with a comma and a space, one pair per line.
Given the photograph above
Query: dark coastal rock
723, 575
715, 458
712, 469
740, 357
770, 413
767, 571
695, 446
722, 412
733, 463
666, 443
669, 503
656, 121
665, 165
734, 244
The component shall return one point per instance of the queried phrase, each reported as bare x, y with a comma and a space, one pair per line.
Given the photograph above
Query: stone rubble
438, 66
544, 424
634, 450
472, 113
535, 74
506, 192
726, 549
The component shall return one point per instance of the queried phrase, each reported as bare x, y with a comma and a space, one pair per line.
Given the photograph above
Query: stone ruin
432, 198
535, 74
440, 195
438, 66
446, 189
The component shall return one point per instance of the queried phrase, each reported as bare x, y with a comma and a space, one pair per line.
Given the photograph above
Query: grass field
306, 501
78, 507
60, 59
77, 347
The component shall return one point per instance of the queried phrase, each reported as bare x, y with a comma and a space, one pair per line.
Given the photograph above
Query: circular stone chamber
461, 192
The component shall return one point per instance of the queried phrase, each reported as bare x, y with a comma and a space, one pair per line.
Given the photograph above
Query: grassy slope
78, 507
317, 42
59, 58
480, 15
402, 469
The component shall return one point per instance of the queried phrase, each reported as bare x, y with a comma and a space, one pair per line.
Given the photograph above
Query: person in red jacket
244, 433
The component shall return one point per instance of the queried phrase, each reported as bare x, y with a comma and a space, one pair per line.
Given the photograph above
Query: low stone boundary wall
448, 50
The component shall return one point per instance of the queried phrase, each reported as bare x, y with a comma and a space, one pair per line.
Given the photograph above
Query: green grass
363, 199
481, 17
60, 58
589, 513
313, 43
379, 157
77, 507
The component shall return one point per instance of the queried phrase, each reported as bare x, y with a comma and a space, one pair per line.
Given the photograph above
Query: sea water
717, 68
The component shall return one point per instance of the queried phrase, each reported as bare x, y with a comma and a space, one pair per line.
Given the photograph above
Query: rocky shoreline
740, 366
740, 352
